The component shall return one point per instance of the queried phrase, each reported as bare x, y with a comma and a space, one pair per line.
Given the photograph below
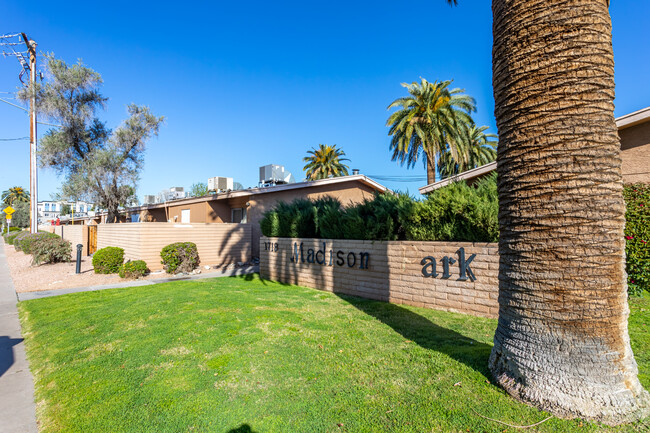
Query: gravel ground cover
28, 278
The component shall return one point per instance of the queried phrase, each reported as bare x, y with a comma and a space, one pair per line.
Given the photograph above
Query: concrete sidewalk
26, 296
17, 408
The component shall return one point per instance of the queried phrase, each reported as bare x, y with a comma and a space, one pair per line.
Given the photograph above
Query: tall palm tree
475, 149
325, 162
562, 342
428, 123
15, 194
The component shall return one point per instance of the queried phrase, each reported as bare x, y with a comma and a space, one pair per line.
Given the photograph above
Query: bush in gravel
11, 237
50, 250
180, 257
133, 269
25, 243
108, 260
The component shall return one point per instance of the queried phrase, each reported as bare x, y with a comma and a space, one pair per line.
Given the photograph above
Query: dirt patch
28, 278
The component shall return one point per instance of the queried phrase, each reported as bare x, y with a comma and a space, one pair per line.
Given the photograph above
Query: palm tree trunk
431, 169
562, 342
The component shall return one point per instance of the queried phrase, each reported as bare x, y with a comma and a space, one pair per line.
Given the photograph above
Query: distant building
51, 210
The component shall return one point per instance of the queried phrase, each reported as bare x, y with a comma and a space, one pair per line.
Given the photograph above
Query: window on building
238, 215
185, 216
47, 206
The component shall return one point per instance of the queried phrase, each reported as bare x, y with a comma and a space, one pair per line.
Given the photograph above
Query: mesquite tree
98, 165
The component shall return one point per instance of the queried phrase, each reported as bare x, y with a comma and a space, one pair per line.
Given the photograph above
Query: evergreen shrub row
457, 212
637, 237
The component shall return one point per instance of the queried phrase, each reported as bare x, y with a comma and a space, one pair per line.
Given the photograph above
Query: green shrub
11, 229
294, 220
457, 212
24, 243
108, 260
50, 250
9, 237
180, 257
376, 219
637, 237
133, 269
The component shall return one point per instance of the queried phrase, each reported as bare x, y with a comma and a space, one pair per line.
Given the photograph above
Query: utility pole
33, 172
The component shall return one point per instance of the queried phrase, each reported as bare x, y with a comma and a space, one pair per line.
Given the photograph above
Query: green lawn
246, 355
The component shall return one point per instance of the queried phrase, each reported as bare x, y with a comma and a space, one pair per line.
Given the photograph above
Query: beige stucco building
634, 131
248, 206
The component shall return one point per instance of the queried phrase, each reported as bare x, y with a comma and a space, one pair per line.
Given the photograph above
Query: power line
24, 109
14, 139
17, 106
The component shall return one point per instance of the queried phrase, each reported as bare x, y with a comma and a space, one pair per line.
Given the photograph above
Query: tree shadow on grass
425, 333
244, 428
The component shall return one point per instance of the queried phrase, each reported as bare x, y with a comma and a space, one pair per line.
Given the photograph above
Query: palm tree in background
15, 194
562, 340
429, 123
325, 162
475, 148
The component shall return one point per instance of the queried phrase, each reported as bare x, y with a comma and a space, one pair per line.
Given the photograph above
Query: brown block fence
76, 234
217, 244
463, 279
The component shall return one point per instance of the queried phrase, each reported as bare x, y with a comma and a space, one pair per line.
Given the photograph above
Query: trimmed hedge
457, 212
51, 250
180, 257
133, 269
637, 237
108, 260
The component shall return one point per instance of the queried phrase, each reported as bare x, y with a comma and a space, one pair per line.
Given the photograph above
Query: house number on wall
271, 246
465, 271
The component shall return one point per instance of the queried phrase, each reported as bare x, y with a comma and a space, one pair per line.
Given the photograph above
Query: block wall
217, 244
400, 272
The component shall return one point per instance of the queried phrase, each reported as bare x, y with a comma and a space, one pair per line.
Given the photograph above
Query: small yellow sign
9, 210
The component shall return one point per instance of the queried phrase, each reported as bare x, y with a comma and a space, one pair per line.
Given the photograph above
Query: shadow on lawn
425, 333
244, 428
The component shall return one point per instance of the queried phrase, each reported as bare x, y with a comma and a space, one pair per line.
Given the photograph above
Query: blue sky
244, 84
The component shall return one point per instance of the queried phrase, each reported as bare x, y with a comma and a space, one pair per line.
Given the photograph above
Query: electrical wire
14, 139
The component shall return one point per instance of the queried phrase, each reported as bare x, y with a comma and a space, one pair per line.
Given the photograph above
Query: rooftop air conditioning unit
220, 184
149, 199
274, 175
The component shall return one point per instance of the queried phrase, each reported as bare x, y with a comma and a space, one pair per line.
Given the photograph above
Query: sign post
8, 212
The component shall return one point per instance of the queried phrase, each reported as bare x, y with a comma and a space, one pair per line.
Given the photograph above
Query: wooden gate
92, 239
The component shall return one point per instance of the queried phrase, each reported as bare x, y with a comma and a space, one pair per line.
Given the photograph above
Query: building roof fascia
466, 175
632, 119
264, 190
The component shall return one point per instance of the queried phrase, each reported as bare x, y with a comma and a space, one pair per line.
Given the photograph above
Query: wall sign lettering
325, 257
464, 269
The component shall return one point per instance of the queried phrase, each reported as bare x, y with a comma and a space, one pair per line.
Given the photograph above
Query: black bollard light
79, 247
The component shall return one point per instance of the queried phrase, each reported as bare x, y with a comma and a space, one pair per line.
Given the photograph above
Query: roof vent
355, 171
